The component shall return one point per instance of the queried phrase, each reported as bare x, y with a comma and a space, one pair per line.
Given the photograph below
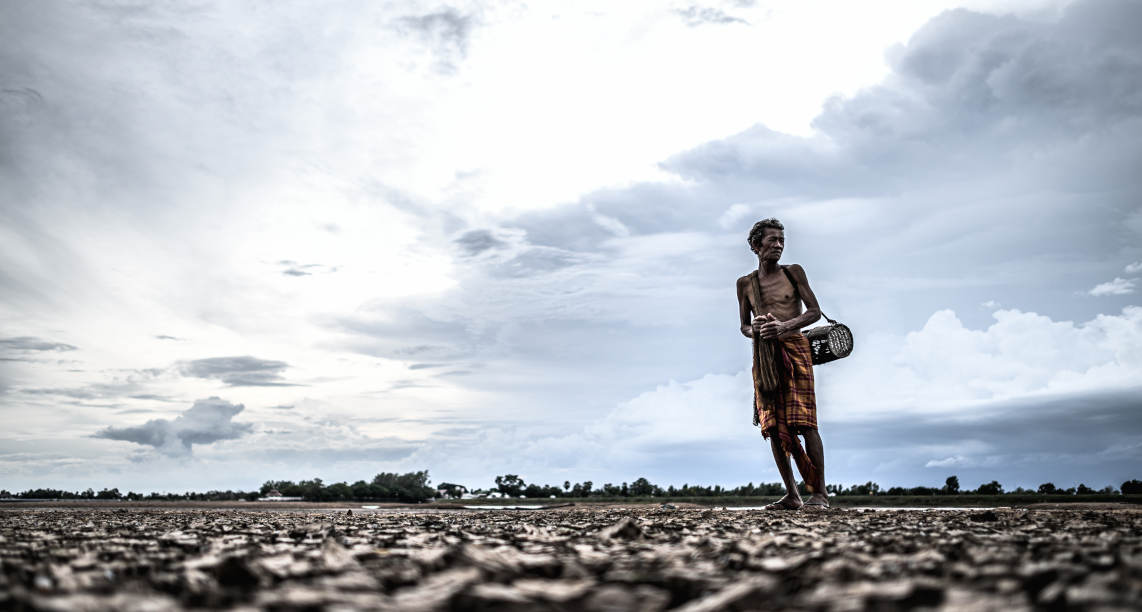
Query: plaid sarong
796, 393
794, 365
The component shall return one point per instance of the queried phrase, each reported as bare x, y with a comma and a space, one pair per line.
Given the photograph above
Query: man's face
772, 244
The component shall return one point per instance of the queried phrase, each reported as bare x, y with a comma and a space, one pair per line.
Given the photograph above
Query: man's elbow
814, 315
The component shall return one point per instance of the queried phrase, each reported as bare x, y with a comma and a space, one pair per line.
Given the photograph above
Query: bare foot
789, 502
817, 500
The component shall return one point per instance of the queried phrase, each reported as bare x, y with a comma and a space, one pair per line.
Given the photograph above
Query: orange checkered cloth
794, 399
796, 393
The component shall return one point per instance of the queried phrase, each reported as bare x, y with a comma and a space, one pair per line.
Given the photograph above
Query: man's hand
768, 327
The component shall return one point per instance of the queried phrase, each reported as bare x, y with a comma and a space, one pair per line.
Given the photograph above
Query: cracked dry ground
570, 559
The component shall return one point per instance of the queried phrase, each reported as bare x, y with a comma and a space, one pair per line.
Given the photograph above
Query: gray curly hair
758, 231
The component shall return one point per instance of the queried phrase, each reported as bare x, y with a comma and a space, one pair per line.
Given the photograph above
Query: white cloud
1134, 268
946, 462
943, 368
1118, 286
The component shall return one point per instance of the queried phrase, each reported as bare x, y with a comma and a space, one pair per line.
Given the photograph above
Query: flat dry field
577, 558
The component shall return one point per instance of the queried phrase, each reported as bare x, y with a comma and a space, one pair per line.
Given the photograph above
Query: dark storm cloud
967, 92
445, 32
30, 343
1091, 436
243, 371
700, 15
477, 241
208, 420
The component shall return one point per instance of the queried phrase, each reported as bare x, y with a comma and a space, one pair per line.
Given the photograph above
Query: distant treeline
411, 487
514, 486
414, 487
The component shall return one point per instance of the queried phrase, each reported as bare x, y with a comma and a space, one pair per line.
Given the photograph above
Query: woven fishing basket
829, 342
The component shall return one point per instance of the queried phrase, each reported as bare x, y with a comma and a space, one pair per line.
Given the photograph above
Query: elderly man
769, 302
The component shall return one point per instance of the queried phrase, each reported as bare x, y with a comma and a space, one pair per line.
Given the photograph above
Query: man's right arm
743, 307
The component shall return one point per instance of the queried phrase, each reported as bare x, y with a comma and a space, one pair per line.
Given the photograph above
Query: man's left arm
812, 309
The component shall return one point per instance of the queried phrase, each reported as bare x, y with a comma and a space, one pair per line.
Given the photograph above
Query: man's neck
766, 266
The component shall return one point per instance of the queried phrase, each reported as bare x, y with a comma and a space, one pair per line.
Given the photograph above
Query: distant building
276, 496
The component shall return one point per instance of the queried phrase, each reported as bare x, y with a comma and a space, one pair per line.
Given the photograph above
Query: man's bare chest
777, 293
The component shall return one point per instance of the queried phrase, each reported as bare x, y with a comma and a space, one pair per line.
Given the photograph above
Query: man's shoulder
745, 279
796, 270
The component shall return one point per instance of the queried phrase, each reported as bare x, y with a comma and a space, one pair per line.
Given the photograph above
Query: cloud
293, 268
445, 33
477, 241
946, 462
1009, 401
244, 371
1134, 268
996, 162
701, 15
29, 343
1118, 286
207, 421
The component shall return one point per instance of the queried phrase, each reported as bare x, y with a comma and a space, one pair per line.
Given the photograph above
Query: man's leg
816, 451
792, 497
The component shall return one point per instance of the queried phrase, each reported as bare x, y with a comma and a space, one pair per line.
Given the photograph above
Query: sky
243, 242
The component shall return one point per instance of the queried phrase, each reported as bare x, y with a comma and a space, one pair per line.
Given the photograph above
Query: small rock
235, 572
336, 557
744, 593
625, 529
614, 598
987, 516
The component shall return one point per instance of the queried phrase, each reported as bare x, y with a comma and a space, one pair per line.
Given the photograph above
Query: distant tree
510, 484
567, 486
951, 485
1131, 487
1047, 488
642, 488
109, 494
868, 488
991, 488
339, 491
1084, 490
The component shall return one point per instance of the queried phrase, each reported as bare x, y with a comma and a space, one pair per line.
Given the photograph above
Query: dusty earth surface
598, 558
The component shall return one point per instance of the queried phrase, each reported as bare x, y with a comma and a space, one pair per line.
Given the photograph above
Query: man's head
767, 238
